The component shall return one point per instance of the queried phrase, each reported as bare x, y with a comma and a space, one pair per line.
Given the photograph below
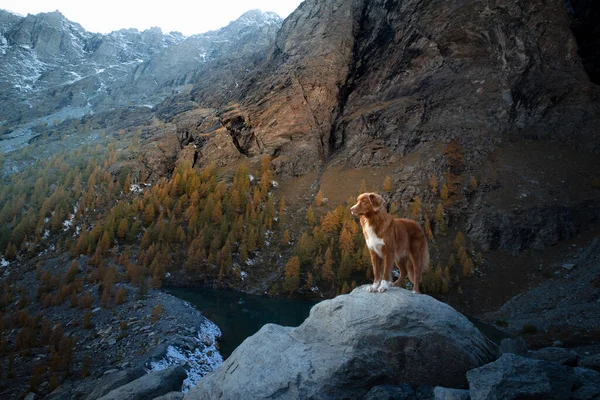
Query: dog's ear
376, 200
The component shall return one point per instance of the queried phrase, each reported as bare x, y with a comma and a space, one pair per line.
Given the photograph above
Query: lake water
240, 315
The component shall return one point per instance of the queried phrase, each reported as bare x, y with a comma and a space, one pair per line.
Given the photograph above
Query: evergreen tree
319, 199
292, 275
433, 183
428, 231
285, 238
444, 192
310, 216
327, 269
387, 184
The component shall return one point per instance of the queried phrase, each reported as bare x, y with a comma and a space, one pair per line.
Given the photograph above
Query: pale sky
187, 17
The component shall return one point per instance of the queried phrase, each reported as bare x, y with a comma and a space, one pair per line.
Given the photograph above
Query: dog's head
367, 203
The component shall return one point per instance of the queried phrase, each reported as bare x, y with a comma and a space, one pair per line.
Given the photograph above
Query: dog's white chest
374, 242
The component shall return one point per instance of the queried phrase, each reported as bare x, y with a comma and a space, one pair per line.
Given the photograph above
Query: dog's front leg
376, 261
386, 279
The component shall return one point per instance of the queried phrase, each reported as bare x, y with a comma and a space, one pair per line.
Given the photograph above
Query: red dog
391, 240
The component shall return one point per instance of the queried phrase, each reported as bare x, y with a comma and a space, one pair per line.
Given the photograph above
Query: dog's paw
383, 287
373, 287
414, 292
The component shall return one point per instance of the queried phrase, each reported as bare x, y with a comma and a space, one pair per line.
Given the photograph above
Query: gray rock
514, 346
110, 371
114, 380
568, 266
30, 396
150, 386
170, 396
556, 354
591, 362
442, 393
424, 392
586, 384
515, 377
391, 392
350, 343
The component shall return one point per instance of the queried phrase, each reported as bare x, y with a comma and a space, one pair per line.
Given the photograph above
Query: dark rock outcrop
591, 362
389, 392
372, 80
170, 396
555, 354
113, 381
348, 345
565, 306
442, 393
150, 386
515, 377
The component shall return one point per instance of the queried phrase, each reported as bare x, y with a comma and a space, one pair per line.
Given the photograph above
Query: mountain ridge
66, 66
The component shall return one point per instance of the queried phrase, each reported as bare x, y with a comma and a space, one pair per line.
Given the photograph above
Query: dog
391, 240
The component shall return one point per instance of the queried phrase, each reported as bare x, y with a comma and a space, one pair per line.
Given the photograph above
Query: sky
187, 17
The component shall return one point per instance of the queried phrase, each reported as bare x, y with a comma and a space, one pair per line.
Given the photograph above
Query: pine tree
123, 228
459, 241
71, 272
310, 216
433, 183
444, 192
327, 269
387, 184
319, 199
346, 241
440, 219
217, 212
345, 288
309, 281
149, 214
474, 183
285, 238
10, 252
415, 209
292, 275
428, 231
126, 185
393, 209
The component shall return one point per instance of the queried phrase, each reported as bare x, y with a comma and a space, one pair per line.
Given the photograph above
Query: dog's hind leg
415, 272
403, 273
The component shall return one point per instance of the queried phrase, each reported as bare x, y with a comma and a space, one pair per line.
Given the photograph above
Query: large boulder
348, 345
516, 377
151, 385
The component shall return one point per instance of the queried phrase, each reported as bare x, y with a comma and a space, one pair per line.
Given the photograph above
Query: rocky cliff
491, 90
51, 68
369, 82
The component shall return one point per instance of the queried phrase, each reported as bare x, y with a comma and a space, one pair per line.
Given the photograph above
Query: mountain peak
259, 16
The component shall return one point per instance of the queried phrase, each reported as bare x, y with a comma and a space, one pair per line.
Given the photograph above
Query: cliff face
368, 81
